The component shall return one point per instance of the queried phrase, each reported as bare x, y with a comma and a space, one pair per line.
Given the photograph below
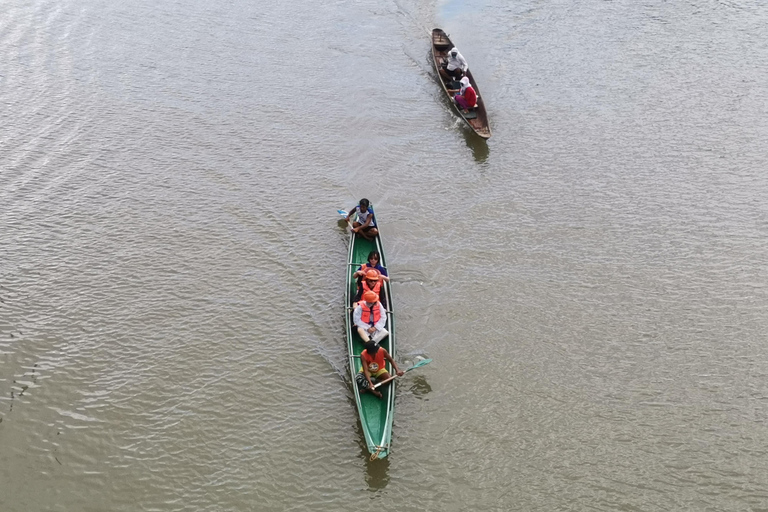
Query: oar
423, 362
344, 214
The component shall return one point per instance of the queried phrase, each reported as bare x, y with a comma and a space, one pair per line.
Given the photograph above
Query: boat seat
472, 114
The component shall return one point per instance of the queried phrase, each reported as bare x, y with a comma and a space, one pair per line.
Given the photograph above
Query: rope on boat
375, 456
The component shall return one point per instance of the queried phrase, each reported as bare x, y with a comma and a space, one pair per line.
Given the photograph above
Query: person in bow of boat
371, 282
373, 359
454, 66
373, 263
370, 317
365, 225
467, 97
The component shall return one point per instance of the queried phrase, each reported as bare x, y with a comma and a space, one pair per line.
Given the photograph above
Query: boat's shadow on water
377, 471
478, 145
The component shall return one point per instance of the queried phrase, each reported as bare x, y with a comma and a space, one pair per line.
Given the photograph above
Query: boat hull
376, 414
476, 119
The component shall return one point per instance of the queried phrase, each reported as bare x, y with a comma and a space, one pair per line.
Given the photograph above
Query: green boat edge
376, 414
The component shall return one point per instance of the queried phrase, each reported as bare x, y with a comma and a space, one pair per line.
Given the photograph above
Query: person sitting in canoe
454, 66
365, 225
373, 263
370, 317
467, 97
371, 282
373, 359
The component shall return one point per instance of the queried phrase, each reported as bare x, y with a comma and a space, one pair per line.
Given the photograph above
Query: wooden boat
477, 118
376, 414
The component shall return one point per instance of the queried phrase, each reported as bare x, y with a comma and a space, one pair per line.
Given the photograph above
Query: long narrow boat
477, 118
376, 414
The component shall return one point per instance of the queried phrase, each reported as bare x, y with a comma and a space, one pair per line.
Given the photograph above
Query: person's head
371, 297
364, 204
372, 348
465, 82
374, 258
372, 275
454, 52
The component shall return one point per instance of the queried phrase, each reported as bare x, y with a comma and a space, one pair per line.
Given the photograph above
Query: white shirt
456, 62
357, 317
362, 217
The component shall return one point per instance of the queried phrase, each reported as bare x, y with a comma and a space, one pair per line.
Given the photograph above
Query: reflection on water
477, 144
377, 471
420, 387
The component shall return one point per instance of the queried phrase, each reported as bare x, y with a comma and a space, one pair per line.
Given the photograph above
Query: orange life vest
376, 288
374, 363
367, 311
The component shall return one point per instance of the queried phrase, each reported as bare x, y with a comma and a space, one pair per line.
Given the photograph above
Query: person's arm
383, 320
367, 221
359, 272
392, 362
351, 213
357, 317
382, 272
464, 65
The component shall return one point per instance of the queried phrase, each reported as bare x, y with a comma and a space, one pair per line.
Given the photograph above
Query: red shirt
470, 96
375, 363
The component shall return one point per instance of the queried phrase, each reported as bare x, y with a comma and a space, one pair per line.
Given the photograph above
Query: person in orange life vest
372, 282
374, 366
365, 225
370, 317
467, 96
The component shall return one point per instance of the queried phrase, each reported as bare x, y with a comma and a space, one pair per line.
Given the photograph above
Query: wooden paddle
423, 362
344, 214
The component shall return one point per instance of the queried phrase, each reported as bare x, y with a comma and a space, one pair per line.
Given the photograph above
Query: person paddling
370, 317
373, 359
365, 225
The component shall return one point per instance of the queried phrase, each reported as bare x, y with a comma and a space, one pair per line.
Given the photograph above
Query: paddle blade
423, 362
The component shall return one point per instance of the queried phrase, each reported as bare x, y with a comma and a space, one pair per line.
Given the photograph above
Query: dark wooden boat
477, 119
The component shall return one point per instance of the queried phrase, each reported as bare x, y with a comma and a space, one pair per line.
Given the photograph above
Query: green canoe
376, 414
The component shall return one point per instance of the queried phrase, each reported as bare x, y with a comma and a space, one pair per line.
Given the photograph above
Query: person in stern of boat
365, 225
467, 97
373, 359
370, 317
454, 66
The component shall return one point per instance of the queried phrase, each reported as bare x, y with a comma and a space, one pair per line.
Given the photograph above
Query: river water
591, 283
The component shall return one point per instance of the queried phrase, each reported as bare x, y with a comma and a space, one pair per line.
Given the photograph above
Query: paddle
423, 362
344, 214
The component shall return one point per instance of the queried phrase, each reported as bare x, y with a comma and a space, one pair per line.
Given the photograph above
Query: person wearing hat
365, 225
467, 97
454, 66
371, 281
370, 317
374, 366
